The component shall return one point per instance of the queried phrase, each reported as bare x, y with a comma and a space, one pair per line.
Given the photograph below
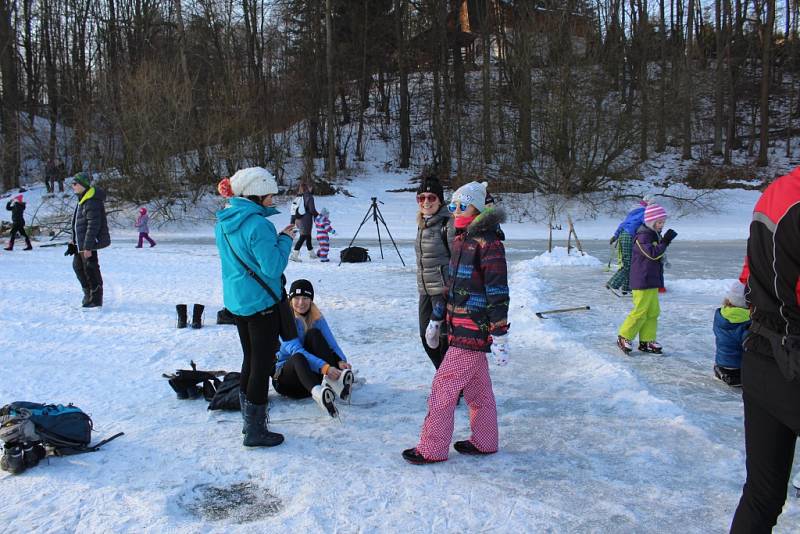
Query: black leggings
296, 379
771, 427
258, 334
306, 238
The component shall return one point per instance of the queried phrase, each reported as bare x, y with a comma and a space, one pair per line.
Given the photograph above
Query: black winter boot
28, 245
32, 453
197, 316
95, 298
12, 460
181, 309
256, 431
87, 296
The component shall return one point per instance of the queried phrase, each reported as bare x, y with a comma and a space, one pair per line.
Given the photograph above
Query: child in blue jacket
731, 324
313, 364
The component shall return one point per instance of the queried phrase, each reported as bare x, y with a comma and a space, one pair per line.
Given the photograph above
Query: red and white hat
654, 212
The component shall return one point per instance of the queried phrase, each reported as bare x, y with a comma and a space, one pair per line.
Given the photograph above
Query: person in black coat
89, 234
17, 208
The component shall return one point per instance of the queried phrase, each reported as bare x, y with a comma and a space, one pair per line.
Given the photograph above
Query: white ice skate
295, 256
312, 254
324, 396
342, 385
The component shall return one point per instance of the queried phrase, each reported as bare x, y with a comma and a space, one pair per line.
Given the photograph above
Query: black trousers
425, 309
258, 334
771, 427
301, 239
18, 228
296, 379
87, 270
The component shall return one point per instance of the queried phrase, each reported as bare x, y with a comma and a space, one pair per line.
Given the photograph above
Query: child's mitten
500, 349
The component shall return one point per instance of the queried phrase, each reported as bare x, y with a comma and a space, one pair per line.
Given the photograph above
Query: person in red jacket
771, 359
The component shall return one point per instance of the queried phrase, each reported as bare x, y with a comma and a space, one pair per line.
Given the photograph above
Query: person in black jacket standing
89, 234
771, 361
17, 208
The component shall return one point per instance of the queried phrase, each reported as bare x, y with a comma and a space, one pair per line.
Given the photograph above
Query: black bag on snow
354, 255
64, 429
227, 395
224, 316
191, 383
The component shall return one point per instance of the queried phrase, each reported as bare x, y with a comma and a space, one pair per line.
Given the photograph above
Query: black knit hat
301, 288
431, 184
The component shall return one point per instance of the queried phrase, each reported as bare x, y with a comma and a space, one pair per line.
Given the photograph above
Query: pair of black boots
18, 458
197, 315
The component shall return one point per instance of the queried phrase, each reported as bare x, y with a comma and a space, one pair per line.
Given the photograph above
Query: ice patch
560, 257
694, 286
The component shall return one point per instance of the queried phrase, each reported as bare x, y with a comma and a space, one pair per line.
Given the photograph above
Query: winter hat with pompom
18, 198
654, 212
472, 193
255, 181
324, 212
142, 210
735, 295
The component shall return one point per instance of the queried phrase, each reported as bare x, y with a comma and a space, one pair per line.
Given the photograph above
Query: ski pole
541, 314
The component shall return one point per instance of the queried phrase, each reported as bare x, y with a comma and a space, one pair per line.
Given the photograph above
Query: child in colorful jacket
731, 324
477, 319
324, 228
647, 276
623, 237
143, 225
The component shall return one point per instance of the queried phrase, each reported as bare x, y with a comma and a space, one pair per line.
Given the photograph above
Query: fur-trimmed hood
486, 221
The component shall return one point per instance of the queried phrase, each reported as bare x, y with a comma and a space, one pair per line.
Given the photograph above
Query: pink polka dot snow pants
465, 370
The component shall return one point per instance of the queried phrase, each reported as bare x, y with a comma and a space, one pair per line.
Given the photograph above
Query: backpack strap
71, 449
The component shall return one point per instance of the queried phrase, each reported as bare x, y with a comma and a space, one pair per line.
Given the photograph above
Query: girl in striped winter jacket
324, 229
477, 319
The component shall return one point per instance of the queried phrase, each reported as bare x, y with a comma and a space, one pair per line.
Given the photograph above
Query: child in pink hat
647, 276
143, 225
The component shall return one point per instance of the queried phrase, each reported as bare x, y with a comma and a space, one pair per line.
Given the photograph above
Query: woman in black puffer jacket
17, 208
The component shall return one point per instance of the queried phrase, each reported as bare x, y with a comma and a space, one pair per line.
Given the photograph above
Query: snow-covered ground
591, 440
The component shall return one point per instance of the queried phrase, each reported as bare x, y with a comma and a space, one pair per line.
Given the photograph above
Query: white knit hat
255, 181
735, 295
472, 193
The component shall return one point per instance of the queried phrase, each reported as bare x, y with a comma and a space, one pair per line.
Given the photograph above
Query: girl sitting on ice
731, 324
313, 364
647, 276
476, 319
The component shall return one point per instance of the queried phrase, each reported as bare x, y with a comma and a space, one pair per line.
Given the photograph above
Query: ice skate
624, 345
342, 385
324, 396
650, 347
295, 255
729, 375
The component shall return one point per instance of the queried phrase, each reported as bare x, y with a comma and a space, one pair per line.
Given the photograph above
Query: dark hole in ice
240, 503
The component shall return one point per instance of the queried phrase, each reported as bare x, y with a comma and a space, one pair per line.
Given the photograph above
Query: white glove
432, 333
500, 349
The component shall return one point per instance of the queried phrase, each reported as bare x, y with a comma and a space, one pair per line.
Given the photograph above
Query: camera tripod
377, 216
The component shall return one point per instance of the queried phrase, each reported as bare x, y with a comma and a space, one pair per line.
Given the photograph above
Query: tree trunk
331, 88
719, 81
405, 108
766, 64
9, 111
486, 109
687, 83
661, 133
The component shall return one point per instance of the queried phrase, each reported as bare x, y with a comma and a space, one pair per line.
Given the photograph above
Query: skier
477, 319
17, 208
313, 364
324, 228
142, 224
771, 358
435, 232
623, 237
647, 276
731, 322
89, 234
250, 251
304, 215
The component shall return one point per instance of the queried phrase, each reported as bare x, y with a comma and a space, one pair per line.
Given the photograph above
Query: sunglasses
454, 206
427, 197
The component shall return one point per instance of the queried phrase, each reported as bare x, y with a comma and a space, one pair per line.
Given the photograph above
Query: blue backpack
62, 429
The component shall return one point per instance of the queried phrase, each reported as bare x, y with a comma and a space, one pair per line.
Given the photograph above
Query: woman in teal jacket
245, 236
